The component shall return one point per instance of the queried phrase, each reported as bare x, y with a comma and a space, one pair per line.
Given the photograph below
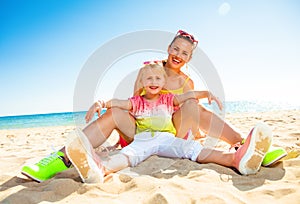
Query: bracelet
102, 103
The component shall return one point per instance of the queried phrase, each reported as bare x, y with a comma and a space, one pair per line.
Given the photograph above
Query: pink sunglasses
159, 62
187, 35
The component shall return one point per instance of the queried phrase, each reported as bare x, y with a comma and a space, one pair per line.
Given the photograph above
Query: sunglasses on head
159, 62
187, 35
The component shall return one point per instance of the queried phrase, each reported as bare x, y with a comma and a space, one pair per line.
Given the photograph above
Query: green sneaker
47, 167
273, 155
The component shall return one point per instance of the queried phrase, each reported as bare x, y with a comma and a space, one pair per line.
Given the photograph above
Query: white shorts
163, 144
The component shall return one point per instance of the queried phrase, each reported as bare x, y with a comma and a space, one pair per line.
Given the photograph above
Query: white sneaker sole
80, 152
259, 144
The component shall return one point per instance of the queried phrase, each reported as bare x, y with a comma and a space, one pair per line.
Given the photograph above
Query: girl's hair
152, 67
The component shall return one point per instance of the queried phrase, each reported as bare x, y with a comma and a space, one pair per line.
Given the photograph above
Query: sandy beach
157, 180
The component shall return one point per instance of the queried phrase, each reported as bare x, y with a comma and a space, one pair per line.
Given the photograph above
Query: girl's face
153, 81
180, 52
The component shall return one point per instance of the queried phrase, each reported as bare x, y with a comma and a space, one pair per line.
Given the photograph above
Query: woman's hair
186, 36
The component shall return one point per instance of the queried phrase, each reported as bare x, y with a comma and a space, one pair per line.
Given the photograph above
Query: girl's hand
213, 98
96, 107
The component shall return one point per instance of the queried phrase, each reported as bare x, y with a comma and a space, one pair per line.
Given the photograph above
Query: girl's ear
138, 92
140, 83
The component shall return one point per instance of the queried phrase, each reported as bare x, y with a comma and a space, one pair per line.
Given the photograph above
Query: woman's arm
181, 98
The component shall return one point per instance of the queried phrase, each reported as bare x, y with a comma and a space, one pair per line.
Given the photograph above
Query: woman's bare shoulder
184, 76
187, 82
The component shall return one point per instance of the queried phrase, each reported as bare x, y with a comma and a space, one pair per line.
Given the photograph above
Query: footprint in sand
292, 154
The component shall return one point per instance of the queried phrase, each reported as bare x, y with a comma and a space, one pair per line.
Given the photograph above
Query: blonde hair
156, 67
152, 67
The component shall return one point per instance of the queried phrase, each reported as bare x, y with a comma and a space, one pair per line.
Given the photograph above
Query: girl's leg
216, 156
247, 159
115, 163
194, 116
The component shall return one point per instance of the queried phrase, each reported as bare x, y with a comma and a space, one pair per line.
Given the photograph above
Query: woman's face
180, 52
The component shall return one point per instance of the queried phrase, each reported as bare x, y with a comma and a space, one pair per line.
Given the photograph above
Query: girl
155, 134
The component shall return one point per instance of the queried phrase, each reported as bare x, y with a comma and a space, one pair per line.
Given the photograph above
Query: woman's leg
115, 118
99, 130
193, 116
184, 121
216, 127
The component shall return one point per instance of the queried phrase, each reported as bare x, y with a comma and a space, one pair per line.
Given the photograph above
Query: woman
193, 115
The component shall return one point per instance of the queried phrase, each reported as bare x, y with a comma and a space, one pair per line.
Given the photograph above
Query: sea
77, 118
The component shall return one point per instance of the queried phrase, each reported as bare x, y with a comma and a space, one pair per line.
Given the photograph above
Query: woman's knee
189, 109
115, 113
111, 117
190, 104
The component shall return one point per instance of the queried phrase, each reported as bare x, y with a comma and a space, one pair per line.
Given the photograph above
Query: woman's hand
211, 98
96, 107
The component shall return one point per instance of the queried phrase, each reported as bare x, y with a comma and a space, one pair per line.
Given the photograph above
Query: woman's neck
172, 72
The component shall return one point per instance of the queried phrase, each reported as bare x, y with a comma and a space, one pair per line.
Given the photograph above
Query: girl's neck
151, 97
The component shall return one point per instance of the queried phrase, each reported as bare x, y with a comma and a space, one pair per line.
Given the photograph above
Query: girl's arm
179, 99
98, 105
116, 103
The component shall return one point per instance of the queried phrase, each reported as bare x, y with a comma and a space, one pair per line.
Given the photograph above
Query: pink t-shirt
153, 116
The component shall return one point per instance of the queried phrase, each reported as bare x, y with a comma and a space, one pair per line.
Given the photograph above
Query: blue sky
254, 45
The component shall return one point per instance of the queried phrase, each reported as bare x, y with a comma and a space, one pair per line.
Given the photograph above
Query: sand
157, 180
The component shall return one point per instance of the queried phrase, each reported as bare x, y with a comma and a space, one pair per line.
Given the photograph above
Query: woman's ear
169, 47
190, 58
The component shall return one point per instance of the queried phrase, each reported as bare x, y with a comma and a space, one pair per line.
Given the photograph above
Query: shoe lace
49, 159
103, 151
235, 146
